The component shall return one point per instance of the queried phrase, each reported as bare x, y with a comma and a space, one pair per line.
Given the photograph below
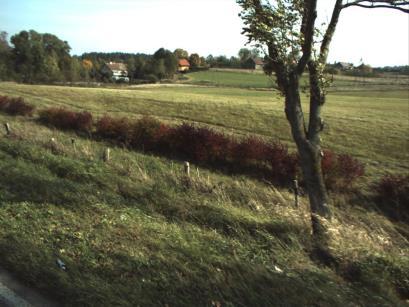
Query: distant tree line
34, 57
243, 60
399, 70
365, 70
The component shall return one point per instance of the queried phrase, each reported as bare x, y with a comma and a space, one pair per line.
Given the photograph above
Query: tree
255, 53
287, 30
5, 57
159, 69
181, 54
244, 54
40, 57
203, 61
365, 70
210, 60
194, 60
164, 63
140, 63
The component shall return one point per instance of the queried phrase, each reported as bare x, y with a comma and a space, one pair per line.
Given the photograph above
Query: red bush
212, 146
330, 168
283, 164
16, 106
199, 144
350, 168
163, 137
117, 129
144, 133
251, 149
67, 120
392, 194
340, 171
4, 100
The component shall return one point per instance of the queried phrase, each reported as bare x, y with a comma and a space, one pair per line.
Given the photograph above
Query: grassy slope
135, 231
371, 126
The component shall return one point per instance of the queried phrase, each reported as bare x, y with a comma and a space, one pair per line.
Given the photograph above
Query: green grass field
241, 78
371, 126
134, 231
230, 78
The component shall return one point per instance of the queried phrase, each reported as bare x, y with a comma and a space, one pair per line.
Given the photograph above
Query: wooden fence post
296, 192
107, 154
187, 169
53, 146
8, 129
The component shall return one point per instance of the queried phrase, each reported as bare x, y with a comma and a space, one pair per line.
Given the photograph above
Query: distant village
54, 64
119, 70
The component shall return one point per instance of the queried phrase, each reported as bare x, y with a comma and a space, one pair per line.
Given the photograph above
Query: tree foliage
41, 57
244, 54
181, 53
5, 57
195, 60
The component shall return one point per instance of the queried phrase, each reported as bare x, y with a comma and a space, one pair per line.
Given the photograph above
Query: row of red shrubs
201, 145
206, 146
196, 144
15, 106
67, 120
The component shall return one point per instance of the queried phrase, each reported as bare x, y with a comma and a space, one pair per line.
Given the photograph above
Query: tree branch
371, 4
329, 33
276, 62
307, 30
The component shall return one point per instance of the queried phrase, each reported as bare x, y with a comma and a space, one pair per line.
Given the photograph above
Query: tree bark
309, 151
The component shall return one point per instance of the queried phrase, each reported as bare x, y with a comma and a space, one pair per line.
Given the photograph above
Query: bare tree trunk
309, 151
310, 157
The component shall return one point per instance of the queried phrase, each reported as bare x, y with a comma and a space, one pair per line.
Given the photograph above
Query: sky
377, 37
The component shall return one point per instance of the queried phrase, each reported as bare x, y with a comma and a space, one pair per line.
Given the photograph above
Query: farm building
258, 63
183, 65
344, 66
254, 63
119, 71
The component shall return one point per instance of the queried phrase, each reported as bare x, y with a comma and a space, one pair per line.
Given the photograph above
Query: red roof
116, 66
258, 61
184, 62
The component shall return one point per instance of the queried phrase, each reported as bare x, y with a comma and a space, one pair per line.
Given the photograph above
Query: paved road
14, 294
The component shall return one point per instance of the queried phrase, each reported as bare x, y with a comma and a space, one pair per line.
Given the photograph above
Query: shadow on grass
34, 175
181, 279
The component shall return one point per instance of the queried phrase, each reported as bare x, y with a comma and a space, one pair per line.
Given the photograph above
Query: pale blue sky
379, 37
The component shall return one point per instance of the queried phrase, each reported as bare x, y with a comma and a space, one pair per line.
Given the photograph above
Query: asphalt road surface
14, 294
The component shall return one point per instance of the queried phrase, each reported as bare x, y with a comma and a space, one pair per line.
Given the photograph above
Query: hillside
136, 231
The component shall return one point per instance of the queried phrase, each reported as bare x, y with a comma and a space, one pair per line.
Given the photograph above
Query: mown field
256, 79
135, 231
370, 125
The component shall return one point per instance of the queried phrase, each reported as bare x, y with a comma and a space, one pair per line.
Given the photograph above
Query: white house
119, 71
183, 65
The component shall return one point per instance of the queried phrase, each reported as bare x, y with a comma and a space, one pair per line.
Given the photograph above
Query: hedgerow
16, 106
204, 146
67, 120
